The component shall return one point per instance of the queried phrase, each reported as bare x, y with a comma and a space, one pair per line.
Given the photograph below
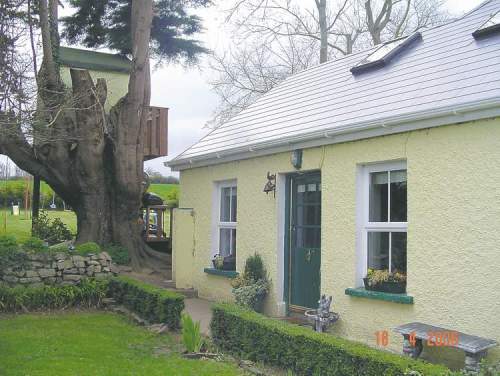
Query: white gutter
448, 115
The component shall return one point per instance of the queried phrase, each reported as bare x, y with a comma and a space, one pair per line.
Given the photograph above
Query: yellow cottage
385, 160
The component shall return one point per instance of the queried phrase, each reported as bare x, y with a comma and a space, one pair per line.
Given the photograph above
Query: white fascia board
409, 122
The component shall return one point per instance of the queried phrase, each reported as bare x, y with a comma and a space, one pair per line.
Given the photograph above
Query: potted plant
385, 281
218, 261
229, 262
251, 288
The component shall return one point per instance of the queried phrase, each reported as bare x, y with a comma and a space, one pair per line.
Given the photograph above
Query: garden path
199, 309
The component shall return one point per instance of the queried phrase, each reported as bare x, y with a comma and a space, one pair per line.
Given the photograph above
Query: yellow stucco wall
117, 83
453, 230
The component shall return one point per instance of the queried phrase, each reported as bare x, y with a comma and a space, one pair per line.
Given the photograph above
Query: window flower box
388, 286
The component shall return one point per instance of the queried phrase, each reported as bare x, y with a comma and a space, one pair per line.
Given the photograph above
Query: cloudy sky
187, 92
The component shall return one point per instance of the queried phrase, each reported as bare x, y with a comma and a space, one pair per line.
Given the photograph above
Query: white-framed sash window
225, 218
382, 217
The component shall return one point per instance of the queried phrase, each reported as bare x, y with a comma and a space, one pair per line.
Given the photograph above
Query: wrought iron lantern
271, 183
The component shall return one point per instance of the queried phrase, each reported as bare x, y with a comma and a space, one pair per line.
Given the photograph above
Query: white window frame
217, 224
363, 211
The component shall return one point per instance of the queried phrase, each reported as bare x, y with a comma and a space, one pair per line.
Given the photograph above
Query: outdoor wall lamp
271, 184
296, 159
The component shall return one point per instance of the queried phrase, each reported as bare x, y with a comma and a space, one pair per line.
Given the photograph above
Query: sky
187, 92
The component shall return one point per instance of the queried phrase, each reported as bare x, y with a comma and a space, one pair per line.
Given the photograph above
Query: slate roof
448, 75
86, 59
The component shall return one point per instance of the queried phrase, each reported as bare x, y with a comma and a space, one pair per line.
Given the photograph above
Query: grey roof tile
447, 67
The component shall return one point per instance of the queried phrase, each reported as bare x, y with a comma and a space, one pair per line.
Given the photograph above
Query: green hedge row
89, 293
151, 303
250, 335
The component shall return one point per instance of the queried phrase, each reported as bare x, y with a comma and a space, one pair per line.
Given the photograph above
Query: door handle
308, 255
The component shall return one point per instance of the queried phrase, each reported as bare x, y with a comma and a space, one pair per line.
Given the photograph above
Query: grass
163, 190
92, 343
20, 227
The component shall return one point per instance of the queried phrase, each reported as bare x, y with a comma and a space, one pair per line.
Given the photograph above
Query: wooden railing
156, 133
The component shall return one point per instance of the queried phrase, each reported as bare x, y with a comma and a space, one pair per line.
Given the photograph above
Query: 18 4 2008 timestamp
438, 339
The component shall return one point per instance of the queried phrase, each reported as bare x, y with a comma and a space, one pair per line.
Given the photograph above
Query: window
385, 53
226, 220
384, 217
491, 26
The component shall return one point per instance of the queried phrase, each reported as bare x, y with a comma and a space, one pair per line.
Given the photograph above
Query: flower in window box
385, 281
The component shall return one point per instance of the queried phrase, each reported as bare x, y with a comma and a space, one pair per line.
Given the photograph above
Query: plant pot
229, 263
259, 302
390, 287
366, 281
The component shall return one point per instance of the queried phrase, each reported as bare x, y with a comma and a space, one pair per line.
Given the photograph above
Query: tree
93, 159
321, 30
106, 23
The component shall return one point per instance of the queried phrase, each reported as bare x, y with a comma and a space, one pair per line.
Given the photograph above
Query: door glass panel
378, 250
398, 252
398, 196
378, 197
308, 215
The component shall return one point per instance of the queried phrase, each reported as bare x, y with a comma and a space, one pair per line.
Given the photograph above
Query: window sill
222, 273
379, 295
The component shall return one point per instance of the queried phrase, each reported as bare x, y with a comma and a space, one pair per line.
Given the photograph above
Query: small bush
53, 232
34, 244
254, 268
118, 253
7, 242
191, 335
250, 335
252, 286
88, 293
86, 248
151, 303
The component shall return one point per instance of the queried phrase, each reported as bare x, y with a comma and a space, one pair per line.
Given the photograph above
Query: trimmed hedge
89, 294
250, 335
154, 304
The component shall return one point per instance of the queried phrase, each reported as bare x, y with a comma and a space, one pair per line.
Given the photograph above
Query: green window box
378, 295
222, 273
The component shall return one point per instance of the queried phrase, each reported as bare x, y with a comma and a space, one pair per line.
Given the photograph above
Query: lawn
163, 190
20, 227
92, 343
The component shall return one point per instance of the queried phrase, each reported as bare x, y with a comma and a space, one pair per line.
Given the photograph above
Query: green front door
305, 240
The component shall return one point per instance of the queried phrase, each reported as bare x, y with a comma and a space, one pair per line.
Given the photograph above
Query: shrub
86, 248
252, 286
7, 242
88, 293
250, 335
151, 303
34, 244
118, 253
10, 254
254, 268
53, 232
191, 335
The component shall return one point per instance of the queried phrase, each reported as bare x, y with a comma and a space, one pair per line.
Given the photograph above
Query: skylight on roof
385, 53
489, 27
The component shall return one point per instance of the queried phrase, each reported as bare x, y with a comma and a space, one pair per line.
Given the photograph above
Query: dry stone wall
58, 269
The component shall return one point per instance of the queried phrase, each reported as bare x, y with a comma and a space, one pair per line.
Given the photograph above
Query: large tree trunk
92, 159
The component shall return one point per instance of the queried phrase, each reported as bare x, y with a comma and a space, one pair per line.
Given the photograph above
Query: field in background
164, 190
20, 227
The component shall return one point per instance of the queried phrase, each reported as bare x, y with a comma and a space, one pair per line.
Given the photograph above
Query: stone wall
60, 269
